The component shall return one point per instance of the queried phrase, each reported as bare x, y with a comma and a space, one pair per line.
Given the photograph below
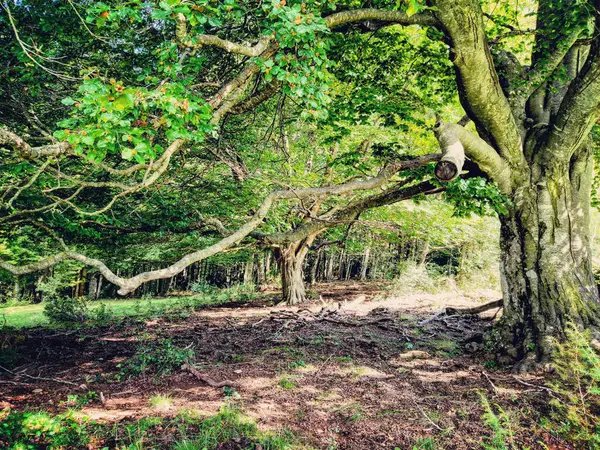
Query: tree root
463, 311
31, 377
206, 379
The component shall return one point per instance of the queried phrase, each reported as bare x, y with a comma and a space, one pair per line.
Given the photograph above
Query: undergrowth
157, 358
37, 430
500, 423
576, 404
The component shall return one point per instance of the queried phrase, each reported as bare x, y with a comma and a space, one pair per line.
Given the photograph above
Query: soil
364, 373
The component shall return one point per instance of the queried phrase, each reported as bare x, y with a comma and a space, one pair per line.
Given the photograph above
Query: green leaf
68, 101
123, 102
413, 8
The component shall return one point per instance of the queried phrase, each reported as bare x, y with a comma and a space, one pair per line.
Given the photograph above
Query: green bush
160, 358
66, 310
500, 423
103, 314
576, 405
200, 287
39, 430
31, 430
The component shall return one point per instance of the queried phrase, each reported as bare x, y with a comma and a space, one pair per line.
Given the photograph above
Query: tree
532, 107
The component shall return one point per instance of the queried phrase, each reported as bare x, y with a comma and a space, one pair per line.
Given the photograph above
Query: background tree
531, 94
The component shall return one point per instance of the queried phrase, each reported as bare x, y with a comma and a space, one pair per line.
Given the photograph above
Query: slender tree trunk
546, 269
92, 286
314, 267
249, 272
329, 267
98, 287
260, 269
365, 264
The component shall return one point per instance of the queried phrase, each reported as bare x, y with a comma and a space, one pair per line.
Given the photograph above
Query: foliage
66, 310
102, 314
161, 402
77, 401
55, 285
576, 411
37, 430
478, 196
414, 278
31, 430
427, 443
158, 358
502, 437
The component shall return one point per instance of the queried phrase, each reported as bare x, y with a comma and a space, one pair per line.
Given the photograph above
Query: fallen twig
536, 386
427, 417
206, 379
31, 377
490, 381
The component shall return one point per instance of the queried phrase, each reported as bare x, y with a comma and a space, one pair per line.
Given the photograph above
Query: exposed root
463, 311
31, 377
206, 379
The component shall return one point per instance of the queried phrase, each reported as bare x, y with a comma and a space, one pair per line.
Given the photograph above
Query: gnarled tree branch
128, 285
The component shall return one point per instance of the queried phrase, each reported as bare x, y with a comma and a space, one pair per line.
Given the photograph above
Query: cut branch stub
453, 154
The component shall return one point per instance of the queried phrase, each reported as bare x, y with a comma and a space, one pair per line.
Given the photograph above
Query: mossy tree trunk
546, 260
531, 138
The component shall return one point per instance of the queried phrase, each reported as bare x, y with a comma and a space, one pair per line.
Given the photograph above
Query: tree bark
546, 268
291, 262
365, 264
292, 282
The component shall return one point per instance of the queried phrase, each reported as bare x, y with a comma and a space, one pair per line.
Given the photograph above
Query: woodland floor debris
329, 373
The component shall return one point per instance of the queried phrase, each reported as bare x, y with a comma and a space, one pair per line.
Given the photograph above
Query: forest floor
352, 370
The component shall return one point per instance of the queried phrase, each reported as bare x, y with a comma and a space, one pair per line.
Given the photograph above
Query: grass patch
287, 383
38, 430
27, 316
161, 402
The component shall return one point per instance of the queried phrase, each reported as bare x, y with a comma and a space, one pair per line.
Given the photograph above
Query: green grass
20, 429
33, 315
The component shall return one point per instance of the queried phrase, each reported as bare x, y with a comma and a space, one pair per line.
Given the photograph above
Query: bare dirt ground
348, 371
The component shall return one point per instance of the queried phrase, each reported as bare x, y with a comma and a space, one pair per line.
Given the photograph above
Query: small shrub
576, 409
78, 401
287, 383
160, 358
103, 314
427, 443
32, 430
66, 310
416, 278
500, 423
200, 287
162, 402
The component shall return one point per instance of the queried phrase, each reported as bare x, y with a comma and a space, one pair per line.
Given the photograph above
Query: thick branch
456, 142
579, 111
257, 99
368, 14
26, 151
479, 86
350, 213
200, 40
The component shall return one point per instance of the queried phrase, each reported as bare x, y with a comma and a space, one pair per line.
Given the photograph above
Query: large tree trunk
292, 282
547, 276
291, 262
